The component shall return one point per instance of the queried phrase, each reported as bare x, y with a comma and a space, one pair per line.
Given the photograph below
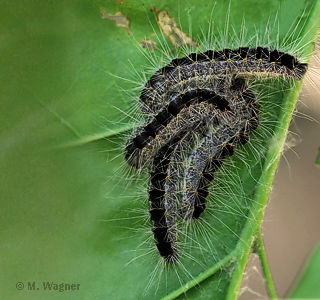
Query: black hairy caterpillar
164, 94
209, 64
162, 197
207, 94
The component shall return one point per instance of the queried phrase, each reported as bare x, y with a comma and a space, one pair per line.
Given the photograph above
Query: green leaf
318, 158
307, 285
68, 215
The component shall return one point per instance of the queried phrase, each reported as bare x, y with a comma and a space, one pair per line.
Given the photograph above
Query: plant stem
318, 158
265, 267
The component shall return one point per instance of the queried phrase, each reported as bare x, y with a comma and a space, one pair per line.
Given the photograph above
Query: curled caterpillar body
198, 109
